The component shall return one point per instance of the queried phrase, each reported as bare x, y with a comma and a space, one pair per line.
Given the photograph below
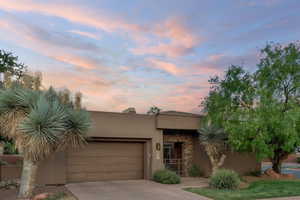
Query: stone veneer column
187, 152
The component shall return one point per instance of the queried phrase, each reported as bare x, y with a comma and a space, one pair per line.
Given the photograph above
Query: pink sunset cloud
86, 34
169, 50
32, 37
182, 40
165, 66
77, 61
185, 97
98, 92
179, 34
71, 12
215, 57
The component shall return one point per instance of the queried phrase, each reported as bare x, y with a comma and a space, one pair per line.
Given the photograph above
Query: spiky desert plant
214, 139
40, 124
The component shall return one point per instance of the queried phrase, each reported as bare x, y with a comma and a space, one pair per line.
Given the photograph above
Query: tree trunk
276, 167
279, 156
216, 158
214, 169
276, 164
28, 179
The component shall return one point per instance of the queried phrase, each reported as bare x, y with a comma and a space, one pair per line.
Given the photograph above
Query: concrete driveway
130, 190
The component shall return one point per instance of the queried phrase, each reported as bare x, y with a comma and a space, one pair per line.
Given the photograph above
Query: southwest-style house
124, 146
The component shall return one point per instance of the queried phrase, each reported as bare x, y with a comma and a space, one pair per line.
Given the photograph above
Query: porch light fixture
158, 146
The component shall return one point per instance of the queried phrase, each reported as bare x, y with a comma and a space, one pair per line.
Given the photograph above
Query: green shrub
8, 184
166, 177
194, 171
298, 160
57, 196
225, 179
9, 148
2, 162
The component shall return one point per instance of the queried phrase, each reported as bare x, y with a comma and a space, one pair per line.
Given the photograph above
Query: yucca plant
214, 139
40, 123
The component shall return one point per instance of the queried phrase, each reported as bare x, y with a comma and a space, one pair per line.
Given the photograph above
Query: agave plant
214, 139
40, 124
212, 134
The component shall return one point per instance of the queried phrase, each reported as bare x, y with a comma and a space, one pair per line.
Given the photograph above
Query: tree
40, 124
27, 80
260, 111
10, 68
154, 110
214, 139
10, 63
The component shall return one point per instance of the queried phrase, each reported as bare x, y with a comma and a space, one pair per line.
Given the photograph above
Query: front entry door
173, 156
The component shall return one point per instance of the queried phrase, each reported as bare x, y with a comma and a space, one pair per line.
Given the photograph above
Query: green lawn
256, 190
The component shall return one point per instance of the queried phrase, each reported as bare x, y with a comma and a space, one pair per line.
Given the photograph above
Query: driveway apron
130, 190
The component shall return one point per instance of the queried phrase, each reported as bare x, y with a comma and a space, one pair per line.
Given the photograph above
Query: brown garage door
106, 161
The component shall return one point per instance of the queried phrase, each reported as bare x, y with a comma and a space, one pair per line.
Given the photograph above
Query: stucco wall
164, 121
242, 163
51, 170
13, 167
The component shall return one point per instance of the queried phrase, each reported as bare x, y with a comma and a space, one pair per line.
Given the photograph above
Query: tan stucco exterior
242, 163
147, 129
176, 121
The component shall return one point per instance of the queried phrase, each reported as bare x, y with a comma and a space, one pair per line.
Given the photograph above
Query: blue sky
141, 53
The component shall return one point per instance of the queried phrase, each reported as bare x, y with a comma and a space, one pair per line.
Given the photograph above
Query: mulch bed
11, 194
250, 179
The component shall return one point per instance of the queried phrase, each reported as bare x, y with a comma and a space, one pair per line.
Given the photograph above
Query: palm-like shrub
40, 123
214, 139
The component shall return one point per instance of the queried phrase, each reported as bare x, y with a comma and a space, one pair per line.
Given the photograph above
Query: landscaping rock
41, 196
271, 173
288, 176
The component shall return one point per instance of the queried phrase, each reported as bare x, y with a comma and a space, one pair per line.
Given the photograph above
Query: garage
100, 161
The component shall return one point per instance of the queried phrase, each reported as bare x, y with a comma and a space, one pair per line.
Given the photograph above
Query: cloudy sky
140, 53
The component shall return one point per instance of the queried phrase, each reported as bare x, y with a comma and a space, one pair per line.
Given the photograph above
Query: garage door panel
104, 169
107, 153
99, 158
104, 176
119, 165
109, 149
106, 161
